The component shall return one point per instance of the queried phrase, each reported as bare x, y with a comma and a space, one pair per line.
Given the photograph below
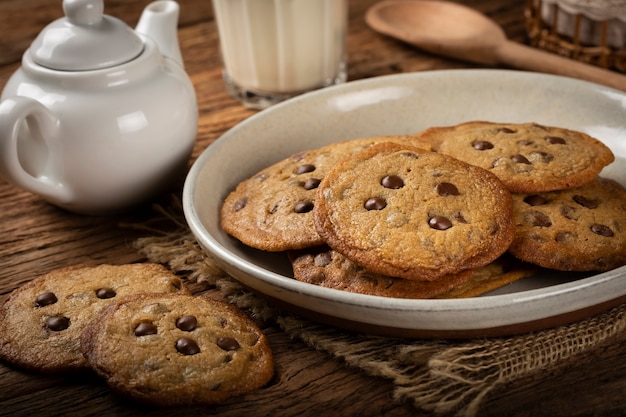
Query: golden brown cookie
41, 321
579, 229
177, 350
327, 268
527, 157
399, 211
272, 210
500, 273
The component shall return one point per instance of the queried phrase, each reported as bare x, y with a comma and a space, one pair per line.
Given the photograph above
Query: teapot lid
85, 39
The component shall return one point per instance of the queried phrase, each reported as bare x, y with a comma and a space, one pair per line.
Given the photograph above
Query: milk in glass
275, 49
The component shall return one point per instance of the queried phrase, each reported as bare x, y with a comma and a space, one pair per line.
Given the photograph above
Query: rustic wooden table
36, 237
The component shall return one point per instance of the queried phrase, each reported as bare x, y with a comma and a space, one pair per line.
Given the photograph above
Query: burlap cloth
442, 377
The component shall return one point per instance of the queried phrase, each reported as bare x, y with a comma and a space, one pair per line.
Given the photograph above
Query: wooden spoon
457, 31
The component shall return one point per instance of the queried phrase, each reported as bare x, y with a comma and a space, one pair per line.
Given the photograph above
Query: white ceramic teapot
99, 117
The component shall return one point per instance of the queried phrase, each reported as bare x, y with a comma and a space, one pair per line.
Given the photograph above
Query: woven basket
548, 35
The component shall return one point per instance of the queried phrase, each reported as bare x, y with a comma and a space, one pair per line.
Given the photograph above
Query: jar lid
85, 39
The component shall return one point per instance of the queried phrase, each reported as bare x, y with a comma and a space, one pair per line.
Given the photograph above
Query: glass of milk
276, 49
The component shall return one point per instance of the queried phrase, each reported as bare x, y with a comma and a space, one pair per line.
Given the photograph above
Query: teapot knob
85, 39
83, 12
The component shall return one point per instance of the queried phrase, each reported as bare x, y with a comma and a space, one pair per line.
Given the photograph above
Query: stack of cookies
449, 212
139, 328
566, 216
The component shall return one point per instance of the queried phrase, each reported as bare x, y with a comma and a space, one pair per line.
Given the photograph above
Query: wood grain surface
36, 237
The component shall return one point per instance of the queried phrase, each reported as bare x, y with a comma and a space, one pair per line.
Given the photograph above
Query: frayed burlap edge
442, 377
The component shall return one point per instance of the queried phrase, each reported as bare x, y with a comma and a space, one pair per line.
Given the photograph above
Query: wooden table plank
36, 237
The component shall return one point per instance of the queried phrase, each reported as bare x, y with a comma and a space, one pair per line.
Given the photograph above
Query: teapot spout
159, 21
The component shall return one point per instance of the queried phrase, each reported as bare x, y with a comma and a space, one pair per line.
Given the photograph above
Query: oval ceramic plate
402, 104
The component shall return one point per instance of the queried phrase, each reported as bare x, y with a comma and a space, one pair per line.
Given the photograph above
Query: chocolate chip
482, 145
538, 219
375, 203
565, 237
535, 200
408, 154
45, 299
505, 130
392, 181
303, 207
446, 188
240, 204
57, 323
542, 157
145, 328
298, 156
555, 140
312, 183
302, 169
439, 223
537, 238
586, 202
520, 159
227, 343
570, 212
105, 293
187, 323
187, 346
602, 230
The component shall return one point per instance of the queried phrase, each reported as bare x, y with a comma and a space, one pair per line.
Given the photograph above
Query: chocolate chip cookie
400, 211
272, 210
41, 321
527, 157
501, 272
327, 268
177, 350
579, 229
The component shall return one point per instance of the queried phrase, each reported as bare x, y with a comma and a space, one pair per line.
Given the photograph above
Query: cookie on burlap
41, 321
399, 211
177, 350
579, 229
272, 210
325, 267
527, 157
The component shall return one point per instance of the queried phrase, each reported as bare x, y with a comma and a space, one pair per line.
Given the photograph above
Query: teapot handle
19, 168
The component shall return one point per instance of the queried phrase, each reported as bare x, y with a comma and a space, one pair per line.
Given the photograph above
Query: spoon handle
525, 57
